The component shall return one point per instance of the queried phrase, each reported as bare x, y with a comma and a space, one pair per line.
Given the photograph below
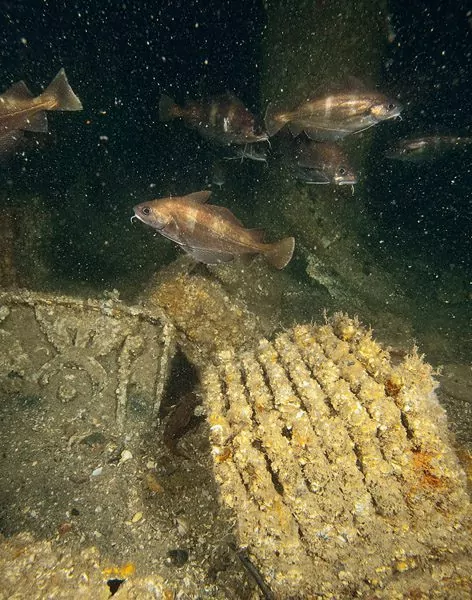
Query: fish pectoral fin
325, 134
208, 256
199, 197
313, 176
18, 91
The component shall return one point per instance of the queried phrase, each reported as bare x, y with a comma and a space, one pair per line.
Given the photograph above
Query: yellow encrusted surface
338, 466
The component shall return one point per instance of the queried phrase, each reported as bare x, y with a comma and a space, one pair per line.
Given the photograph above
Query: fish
426, 148
321, 163
333, 117
223, 119
20, 111
210, 234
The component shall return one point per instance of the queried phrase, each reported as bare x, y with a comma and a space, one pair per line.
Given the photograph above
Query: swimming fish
21, 111
332, 117
210, 234
321, 163
422, 149
223, 119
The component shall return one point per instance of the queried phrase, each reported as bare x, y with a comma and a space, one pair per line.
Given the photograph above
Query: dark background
120, 56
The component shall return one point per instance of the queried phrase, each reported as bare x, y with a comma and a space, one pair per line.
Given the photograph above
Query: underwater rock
338, 467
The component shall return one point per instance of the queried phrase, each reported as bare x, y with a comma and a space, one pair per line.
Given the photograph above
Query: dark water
120, 56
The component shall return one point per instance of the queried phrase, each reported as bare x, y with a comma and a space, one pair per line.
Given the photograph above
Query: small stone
137, 517
96, 472
401, 566
125, 455
153, 484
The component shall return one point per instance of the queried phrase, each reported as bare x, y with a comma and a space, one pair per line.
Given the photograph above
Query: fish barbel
21, 111
223, 119
210, 234
331, 118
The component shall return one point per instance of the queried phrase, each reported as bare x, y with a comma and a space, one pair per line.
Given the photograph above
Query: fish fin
257, 235
295, 129
10, 141
225, 213
355, 84
313, 176
272, 120
199, 197
323, 134
208, 256
168, 109
280, 253
60, 90
36, 122
18, 91
346, 84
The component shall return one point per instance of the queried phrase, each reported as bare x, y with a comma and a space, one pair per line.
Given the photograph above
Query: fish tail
280, 253
168, 109
273, 121
60, 90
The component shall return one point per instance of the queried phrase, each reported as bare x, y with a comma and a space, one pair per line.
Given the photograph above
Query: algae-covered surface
174, 429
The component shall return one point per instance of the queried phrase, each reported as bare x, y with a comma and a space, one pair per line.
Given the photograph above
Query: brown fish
21, 111
210, 234
332, 117
321, 163
223, 119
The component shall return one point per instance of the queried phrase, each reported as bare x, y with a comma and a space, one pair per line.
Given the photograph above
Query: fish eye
146, 210
390, 106
342, 171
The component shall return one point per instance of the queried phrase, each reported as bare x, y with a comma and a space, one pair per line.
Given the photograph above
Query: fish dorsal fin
226, 214
199, 197
257, 235
356, 84
18, 91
